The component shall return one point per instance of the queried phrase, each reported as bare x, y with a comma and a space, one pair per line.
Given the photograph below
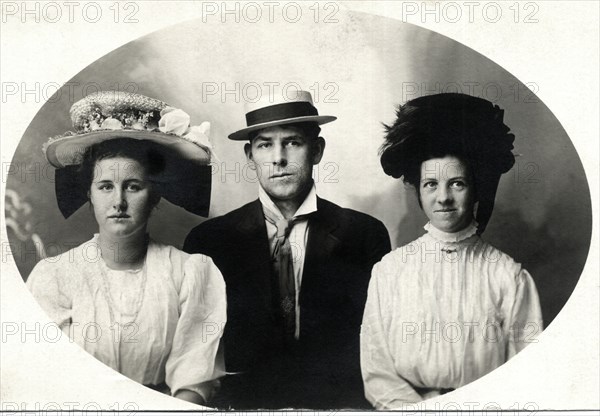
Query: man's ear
248, 150
318, 149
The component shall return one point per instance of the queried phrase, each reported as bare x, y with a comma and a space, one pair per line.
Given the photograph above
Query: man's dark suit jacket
322, 369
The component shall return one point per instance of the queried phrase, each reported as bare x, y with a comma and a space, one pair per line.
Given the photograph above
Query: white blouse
162, 323
441, 312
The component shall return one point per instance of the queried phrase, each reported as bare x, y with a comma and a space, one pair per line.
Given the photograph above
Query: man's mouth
280, 175
119, 216
446, 210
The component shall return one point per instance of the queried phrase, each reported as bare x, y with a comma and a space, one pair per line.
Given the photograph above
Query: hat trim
243, 133
64, 145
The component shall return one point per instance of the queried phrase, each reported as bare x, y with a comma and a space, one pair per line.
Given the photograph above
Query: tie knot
284, 226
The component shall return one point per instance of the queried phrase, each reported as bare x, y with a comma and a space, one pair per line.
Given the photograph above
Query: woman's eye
458, 185
105, 187
429, 185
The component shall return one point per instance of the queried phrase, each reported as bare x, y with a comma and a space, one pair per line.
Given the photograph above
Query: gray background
363, 66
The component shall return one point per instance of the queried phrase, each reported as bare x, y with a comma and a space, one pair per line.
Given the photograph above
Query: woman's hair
151, 159
434, 126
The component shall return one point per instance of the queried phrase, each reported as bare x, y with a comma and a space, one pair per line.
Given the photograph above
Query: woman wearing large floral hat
148, 310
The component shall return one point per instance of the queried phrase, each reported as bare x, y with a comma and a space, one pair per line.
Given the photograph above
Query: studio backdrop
359, 68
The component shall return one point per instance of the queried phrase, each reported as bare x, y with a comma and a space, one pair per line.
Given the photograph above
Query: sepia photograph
326, 206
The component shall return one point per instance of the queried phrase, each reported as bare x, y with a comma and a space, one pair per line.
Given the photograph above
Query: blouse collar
103, 264
445, 237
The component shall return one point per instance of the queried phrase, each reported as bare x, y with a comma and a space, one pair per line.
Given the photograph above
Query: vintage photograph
302, 207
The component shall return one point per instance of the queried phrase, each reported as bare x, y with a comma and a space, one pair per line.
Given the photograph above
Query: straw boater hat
107, 115
276, 110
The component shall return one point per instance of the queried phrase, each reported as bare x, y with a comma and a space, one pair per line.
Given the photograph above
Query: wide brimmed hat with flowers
109, 115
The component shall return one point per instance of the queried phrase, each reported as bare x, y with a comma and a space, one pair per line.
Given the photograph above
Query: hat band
280, 112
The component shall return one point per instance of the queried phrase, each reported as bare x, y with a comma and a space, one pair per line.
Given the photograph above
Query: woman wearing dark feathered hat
447, 308
141, 307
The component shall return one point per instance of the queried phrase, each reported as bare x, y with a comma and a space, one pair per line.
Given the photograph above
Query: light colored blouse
441, 312
161, 323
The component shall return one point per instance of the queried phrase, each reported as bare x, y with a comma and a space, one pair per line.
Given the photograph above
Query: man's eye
293, 143
105, 187
264, 145
429, 185
134, 187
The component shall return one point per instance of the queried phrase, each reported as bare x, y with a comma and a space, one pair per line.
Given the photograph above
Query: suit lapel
321, 239
253, 236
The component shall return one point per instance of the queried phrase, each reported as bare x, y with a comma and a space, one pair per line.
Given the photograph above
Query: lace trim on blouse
445, 237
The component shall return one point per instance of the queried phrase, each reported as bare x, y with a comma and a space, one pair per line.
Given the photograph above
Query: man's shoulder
221, 230
225, 220
347, 215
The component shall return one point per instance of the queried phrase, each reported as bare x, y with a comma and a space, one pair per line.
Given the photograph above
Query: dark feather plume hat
451, 124
144, 121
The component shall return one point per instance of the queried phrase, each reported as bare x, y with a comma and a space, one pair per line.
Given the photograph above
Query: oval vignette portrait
360, 70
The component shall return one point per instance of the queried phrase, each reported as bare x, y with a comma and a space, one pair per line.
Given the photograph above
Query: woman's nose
444, 195
119, 200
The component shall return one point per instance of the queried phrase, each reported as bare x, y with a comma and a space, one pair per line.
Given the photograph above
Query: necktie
282, 262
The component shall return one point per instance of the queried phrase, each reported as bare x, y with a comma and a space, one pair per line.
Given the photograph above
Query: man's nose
279, 155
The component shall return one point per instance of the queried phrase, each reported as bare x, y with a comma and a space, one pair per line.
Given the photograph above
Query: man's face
283, 158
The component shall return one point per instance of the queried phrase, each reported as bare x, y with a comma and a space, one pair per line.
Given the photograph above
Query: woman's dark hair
145, 153
469, 128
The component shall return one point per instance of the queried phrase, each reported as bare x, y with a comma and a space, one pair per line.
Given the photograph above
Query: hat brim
69, 150
185, 180
243, 133
183, 183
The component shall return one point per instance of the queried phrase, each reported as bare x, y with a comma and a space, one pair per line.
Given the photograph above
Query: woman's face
446, 192
121, 196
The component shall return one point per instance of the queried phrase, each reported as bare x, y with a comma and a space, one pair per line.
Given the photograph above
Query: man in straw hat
296, 268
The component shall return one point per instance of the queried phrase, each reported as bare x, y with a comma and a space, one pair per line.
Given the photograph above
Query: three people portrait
426, 264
